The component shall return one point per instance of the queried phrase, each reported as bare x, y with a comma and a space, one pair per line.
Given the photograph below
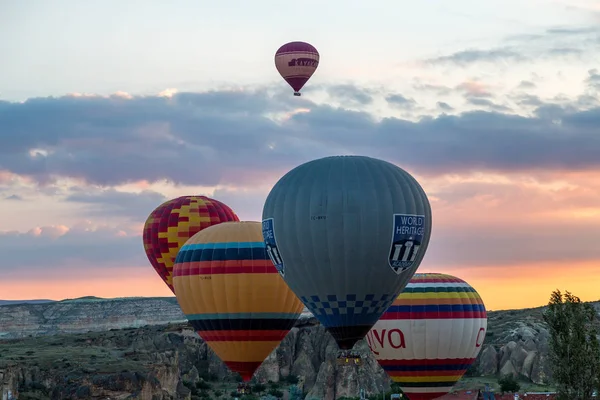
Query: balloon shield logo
268, 229
407, 237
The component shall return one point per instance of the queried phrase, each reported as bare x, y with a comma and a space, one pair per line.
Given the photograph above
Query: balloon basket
297, 94
348, 359
244, 388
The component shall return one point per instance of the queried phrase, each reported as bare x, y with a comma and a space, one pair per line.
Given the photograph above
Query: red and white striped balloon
430, 335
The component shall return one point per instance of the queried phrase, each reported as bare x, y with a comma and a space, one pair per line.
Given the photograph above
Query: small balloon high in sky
297, 62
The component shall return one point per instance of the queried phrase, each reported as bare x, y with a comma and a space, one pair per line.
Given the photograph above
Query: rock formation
99, 349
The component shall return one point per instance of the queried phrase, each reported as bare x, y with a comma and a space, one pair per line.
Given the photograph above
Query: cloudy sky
108, 108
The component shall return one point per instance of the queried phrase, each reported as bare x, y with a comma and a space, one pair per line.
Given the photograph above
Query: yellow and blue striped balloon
232, 295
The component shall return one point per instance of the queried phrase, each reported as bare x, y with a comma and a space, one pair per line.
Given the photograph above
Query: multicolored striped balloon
232, 295
296, 63
172, 223
430, 335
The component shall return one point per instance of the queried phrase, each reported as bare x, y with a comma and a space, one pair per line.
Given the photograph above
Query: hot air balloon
296, 62
175, 221
430, 335
233, 296
347, 233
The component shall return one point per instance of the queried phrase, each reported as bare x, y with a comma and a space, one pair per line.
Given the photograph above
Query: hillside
86, 314
98, 348
38, 301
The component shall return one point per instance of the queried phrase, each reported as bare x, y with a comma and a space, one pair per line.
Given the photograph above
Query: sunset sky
108, 108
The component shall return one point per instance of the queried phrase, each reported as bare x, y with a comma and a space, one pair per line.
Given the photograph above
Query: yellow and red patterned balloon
172, 223
233, 296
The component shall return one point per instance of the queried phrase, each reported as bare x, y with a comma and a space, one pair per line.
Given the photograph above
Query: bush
508, 383
292, 379
203, 385
276, 393
259, 388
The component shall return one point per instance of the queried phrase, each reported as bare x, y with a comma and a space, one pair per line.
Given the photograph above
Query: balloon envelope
347, 233
175, 221
296, 63
231, 294
430, 335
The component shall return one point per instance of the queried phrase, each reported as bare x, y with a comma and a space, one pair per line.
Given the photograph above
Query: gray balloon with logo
347, 233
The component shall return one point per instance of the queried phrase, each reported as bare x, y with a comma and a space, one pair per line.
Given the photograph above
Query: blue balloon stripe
347, 319
437, 289
197, 317
221, 254
224, 245
437, 308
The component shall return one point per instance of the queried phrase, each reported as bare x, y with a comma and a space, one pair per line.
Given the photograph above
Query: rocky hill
86, 314
142, 348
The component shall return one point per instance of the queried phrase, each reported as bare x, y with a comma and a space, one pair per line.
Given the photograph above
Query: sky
108, 108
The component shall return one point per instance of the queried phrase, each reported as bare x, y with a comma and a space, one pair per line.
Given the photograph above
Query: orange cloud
491, 229
474, 88
510, 200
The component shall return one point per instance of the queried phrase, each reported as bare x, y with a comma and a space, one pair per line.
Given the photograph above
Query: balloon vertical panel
430, 335
331, 226
231, 294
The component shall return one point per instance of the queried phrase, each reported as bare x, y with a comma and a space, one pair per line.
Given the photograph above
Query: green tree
259, 388
276, 393
295, 393
292, 379
574, 348
508, 383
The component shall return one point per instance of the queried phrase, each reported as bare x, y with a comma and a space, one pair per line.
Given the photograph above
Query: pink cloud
475, 88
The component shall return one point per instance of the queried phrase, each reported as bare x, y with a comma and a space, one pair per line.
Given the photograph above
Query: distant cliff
86, 314
142, 345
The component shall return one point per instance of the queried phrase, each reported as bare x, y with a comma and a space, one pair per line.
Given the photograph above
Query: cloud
474, 89
246, 202
231, 138
483, 219
480, 220
487, 103
593, 80
110, 202
444, 106
439, 90
465, 57
397, 100
527, 85
566, 43
52, 250
512, 247
351, 93
528, 100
